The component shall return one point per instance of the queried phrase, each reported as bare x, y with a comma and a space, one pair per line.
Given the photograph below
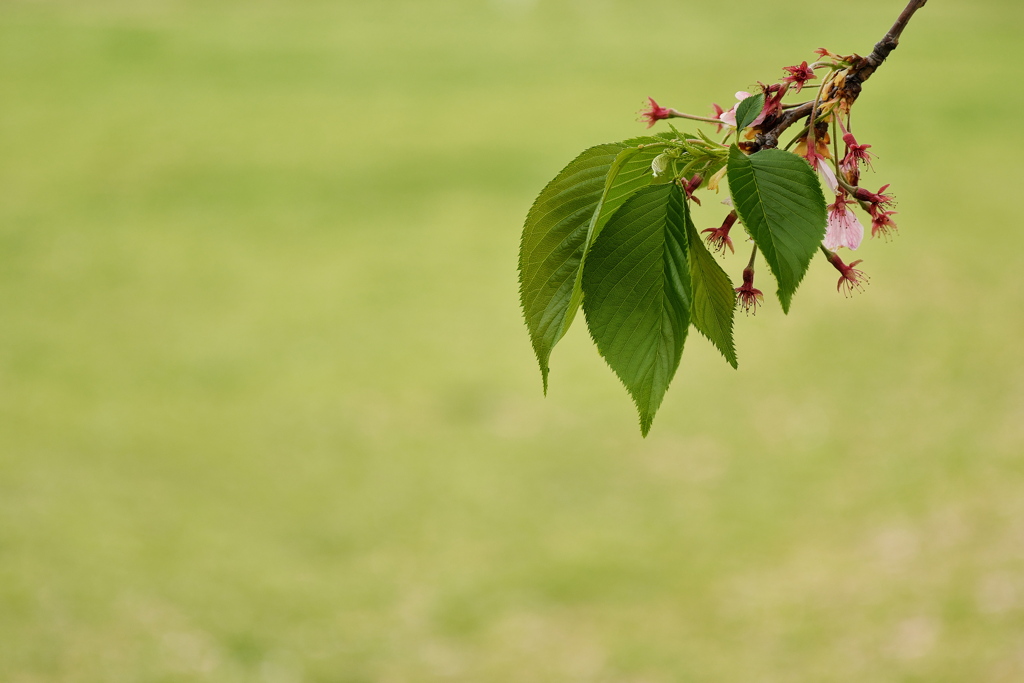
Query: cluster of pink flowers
844, 229
840, 175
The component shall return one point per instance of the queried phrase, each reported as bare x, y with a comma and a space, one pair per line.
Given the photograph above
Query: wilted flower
837, 60
850, 279
773, 95
844, 229
881, 224
748, 296
718, 239
855, 155
716, 179
876, 199
654, 112
818, 159
690, 186
798, 75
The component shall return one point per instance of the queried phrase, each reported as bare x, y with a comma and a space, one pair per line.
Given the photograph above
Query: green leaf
630, 172
637, 294
748, 110
551, 251
714, 300
778, 198
563, 223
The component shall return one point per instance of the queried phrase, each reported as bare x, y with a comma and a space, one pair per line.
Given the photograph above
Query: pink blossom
748, 296
718, 239
798, 75
844, 229
654, 112
822, 167
850, 278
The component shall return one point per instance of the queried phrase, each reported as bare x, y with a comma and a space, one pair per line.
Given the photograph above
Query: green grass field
268, 410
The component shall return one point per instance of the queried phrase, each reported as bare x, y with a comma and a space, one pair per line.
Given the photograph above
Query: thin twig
859, 72
675, 114
882, 48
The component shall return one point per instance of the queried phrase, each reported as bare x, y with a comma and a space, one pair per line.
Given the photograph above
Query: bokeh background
268, 411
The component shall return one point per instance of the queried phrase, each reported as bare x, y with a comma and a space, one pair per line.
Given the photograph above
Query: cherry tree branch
859, 72
882, 48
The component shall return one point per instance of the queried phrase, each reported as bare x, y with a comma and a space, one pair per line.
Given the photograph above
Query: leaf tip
785, 301
645, 424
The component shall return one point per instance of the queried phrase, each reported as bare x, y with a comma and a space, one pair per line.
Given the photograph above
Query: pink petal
844, 230
830, 177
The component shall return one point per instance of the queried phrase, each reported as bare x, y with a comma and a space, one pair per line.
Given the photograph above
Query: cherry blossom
749, 297
844, 229
882, 224
798, 75
654, 112
850, 278
876, 199
690, 186
719, 239
856, 155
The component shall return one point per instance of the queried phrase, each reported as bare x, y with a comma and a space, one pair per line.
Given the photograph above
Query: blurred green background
268, 411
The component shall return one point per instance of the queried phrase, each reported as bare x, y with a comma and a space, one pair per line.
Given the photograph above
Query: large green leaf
778, 198
636, 287
714, 300
562, 225
552, 246
630, 172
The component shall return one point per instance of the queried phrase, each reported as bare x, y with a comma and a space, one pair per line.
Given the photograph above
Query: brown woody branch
858, 72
